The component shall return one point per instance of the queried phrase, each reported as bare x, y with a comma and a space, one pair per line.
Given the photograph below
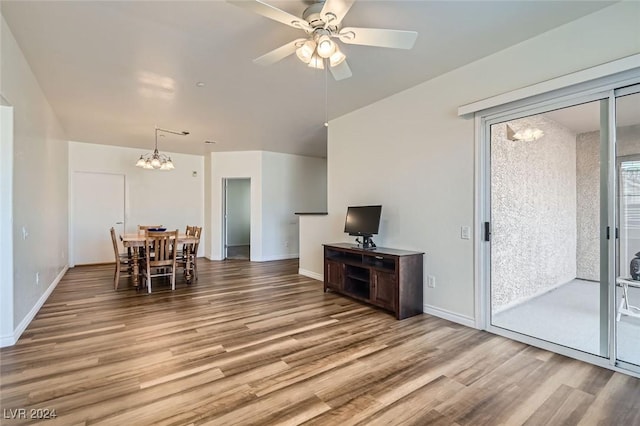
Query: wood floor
256, 343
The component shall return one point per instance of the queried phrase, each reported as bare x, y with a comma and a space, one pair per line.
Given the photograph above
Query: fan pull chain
326, 92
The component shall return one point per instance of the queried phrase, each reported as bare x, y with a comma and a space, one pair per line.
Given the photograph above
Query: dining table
135, 240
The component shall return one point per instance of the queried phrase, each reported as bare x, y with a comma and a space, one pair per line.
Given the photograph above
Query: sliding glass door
561, 212
548, 187
627, 292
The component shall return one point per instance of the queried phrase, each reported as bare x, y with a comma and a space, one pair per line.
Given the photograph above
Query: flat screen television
363, 221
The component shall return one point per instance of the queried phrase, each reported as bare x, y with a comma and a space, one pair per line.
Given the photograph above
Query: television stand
388, 278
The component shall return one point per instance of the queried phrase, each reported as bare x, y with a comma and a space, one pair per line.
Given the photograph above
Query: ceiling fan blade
378, 37
334, 10
279, 53
341, 71
272, 12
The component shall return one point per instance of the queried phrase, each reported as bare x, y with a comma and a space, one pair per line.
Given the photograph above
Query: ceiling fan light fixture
316, 62
527, 134
337, 58
326, 47
306, 51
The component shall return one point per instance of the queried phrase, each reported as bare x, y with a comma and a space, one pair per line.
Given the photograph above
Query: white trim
449, 315
11, 340
589, 74
310, 274
479, 251
276, 257
6, 219
212, 258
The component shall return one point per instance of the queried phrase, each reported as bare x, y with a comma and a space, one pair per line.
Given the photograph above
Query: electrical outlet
465, 232
286, 243
37, 278
25, 233
431, 281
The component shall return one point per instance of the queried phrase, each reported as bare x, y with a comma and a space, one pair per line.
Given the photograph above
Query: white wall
246, 164
238, 212
422, 153
290, 184
173, 198
281, 184
40, 196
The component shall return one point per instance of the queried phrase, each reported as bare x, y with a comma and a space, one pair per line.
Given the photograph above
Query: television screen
362, 220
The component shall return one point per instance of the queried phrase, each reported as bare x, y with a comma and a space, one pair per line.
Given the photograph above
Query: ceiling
113, 70
585, 117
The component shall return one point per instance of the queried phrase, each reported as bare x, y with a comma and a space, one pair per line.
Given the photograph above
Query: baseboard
17, 332
276, 257
451, 316
310, 274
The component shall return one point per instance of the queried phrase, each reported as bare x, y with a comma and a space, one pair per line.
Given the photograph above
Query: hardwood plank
256, 343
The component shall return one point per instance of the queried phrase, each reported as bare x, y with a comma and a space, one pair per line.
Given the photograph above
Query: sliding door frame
605, 88
613, 306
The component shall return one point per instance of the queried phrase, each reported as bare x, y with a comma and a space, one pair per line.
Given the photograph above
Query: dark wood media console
388, 278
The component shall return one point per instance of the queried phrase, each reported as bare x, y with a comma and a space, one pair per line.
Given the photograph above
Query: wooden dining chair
192, 249
162, 262
124, 264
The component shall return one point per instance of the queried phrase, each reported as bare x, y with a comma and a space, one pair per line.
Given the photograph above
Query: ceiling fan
322, 22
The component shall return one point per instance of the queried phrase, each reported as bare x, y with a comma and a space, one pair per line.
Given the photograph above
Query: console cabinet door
334, 274
385, 289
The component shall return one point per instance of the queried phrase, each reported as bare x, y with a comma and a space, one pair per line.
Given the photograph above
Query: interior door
98, 205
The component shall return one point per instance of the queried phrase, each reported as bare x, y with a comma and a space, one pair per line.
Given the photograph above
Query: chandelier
155, 160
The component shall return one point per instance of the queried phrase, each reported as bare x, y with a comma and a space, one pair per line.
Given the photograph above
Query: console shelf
388, 278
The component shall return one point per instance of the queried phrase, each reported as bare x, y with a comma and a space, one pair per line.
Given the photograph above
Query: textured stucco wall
588, 206
533, 211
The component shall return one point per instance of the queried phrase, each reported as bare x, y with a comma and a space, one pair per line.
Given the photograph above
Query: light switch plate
465, 232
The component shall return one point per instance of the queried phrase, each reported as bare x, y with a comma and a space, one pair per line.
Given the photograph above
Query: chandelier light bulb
326, 46
337, 58
140, 162
305, 52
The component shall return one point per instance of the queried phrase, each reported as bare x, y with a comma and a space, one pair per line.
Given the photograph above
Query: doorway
237, 218
546, 276
98, 205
